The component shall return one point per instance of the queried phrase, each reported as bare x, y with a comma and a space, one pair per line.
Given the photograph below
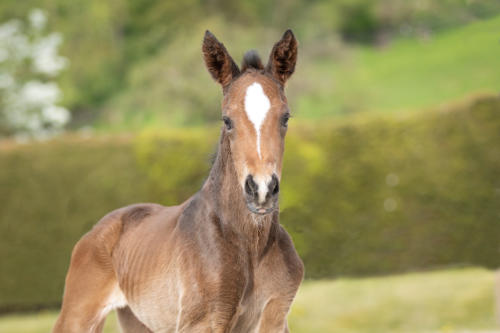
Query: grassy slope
444, 301
408, 74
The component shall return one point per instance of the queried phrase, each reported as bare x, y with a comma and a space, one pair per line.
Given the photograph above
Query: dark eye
284, 119
228, 122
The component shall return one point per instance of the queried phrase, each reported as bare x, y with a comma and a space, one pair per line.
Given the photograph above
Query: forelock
251, 60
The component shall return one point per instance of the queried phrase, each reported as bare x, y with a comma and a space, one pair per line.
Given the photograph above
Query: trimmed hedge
363, 197
397, 195
51, 194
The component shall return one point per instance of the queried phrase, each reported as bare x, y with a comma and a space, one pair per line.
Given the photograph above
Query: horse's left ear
283, 57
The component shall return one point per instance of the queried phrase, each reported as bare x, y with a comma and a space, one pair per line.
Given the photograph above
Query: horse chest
249, 311
186, 290
259, 289
184, 306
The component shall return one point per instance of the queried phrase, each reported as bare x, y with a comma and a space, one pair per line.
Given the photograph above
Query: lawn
458, 300
405, 75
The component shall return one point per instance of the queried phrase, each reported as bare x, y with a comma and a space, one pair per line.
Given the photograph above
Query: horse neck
223, 191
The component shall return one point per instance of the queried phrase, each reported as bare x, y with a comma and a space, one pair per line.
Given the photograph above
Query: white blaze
256, 106
262, 182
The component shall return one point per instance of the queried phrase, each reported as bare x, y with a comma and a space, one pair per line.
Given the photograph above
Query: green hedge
50, 195
362, 197
395, 195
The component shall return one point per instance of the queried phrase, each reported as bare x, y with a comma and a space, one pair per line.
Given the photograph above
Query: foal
219, 262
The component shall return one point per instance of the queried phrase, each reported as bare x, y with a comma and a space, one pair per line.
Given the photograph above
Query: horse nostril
274, 186
251, 187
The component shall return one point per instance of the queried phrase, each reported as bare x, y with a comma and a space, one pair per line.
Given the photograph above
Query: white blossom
38, 19
45, 57
56, 115
38, 93
29, 105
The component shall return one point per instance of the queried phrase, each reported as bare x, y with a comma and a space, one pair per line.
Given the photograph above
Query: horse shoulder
291, 259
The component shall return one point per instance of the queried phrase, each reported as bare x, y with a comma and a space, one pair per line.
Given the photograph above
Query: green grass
441, 301
332, 79
452, 300
407, 75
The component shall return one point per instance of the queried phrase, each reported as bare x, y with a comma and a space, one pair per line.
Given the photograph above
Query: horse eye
228, 122
284, 119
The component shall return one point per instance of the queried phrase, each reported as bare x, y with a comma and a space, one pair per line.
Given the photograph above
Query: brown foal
219, 262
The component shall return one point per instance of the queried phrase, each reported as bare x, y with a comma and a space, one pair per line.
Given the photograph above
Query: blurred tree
29, 62
359, 22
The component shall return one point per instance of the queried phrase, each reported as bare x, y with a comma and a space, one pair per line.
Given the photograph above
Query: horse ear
218, 61
283, 57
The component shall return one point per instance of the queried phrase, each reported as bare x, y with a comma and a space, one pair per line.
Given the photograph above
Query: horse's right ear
219, 63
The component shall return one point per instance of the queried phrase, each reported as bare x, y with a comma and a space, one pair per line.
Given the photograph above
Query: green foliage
398, 194
363, 197
177, 161
360, 22
49, 201
442, 301
376, 21
129, 57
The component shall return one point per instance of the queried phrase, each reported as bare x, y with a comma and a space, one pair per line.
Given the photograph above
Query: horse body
219, 262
